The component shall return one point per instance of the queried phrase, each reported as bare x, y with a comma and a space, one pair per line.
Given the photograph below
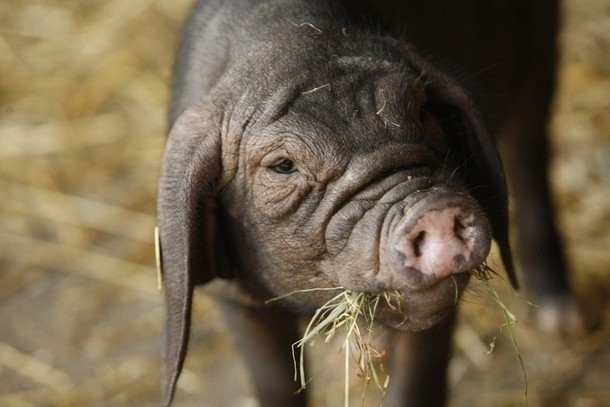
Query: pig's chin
422, 309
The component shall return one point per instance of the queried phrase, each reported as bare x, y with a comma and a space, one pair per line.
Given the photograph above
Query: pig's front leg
526, 145
264, 339
540, 250
418, 362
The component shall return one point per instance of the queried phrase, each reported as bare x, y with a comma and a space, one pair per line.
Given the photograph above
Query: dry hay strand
352, 314
486, 274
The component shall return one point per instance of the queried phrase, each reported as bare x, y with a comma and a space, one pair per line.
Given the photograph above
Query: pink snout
440, 236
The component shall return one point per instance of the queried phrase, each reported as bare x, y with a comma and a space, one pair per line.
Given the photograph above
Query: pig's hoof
561, 317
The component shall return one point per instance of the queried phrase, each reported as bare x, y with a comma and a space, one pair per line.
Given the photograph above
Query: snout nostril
459, 228
417, 243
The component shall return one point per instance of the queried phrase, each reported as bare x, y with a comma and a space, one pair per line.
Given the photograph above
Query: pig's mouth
424, 308
405, 309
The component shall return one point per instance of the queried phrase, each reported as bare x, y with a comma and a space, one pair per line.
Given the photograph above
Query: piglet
311, 149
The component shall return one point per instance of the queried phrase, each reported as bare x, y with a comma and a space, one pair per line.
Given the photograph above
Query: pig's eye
284, 167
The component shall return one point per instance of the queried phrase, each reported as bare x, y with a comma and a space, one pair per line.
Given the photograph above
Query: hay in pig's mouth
486, 274
353, 314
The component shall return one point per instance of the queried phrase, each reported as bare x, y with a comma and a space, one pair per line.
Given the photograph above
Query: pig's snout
438, 237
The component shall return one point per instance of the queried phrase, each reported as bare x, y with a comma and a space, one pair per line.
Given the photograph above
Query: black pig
312, 148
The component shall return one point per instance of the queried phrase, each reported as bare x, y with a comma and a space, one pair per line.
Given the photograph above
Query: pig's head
371, 173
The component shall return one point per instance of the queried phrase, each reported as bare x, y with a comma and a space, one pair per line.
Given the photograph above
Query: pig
319, 144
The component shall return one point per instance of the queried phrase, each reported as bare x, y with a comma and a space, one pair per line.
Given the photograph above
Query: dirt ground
83, 94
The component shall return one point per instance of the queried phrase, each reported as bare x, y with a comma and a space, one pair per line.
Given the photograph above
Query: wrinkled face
355, 184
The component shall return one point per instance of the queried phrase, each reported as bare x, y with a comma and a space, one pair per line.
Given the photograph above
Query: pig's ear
484, 172
187, 226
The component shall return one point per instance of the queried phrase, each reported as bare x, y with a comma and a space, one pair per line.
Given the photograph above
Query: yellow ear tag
158, 259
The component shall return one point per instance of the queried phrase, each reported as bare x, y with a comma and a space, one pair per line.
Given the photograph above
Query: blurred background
83, 96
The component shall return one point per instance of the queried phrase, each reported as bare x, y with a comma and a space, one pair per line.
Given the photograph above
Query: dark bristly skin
310, 149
